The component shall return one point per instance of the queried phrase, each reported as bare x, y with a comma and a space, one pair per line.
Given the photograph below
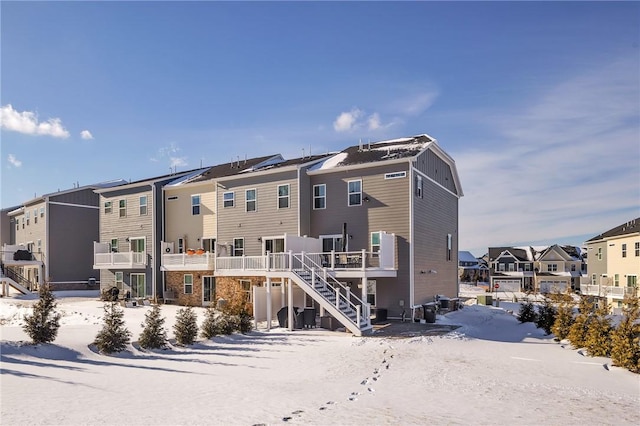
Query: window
28, 214
319, 196
371, 292
599, 253
245, 285
632, 280
418, 186
355, 192
616, 280
624, 246
122, 206
39, 246
107, 207
143, 205
228, 199
512, 267
552, 267
573, 267
283, 196
637, 248
41, 211
35, 215
593, 279
501, 267
188, 283
23, 222
195, 205
527, 267
238, 246
119, 280
375, 244
449, 242
114, 245
333, 243
180, 245
250, 197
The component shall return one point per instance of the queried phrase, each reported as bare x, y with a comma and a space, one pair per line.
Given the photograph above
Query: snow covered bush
598, 337
563, 321
210, 326
114, 336
245, 323
579, 328
625, 339
186, 326
527, 312
153, 335
43, 324
228, 323
546, 316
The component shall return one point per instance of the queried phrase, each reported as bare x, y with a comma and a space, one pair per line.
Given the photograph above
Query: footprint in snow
297, 412
353, 398
388, 365
606, 367
371, 390
286, 419
365, 381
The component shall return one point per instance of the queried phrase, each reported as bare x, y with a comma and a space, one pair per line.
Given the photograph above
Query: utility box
485, 299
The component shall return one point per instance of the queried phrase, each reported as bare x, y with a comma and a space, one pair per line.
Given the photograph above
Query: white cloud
27, 122
14, 161
171, 155
415, 104
347, 121
178, 161
374, 121
564, 167
86, 135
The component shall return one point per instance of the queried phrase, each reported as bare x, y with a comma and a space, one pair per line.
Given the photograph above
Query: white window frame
187, 286
334, 238
41, 211
624, 246
134, 286
632, 280
28, 216
395, 175
228, 202
284, 197
118, 278
113, 246
35, 216
375, 247
552, 267
599, 255
419, 186
39, 245
246, 283
449, 246
122, 208
354, 193
637, 249
254, 200
196, 201
238, 251
180, 245
616, 280
143, 206
322, 197
108, 207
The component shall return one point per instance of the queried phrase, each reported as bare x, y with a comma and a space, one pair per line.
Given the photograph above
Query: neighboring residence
50, 238
546, 269
471, 269
614, 264
127, 249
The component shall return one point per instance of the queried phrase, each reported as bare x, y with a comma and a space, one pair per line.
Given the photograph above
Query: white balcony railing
607, 290
188, 262
123, 260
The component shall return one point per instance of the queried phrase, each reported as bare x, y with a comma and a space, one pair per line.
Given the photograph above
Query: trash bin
380, 314
429, 314
444, 302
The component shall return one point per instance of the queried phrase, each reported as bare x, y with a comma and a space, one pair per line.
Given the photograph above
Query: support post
268, 303
290, 303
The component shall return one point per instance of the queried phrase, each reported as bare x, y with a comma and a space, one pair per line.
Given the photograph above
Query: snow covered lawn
491, 370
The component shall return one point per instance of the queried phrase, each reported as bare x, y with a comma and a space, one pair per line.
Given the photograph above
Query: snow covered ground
491, 370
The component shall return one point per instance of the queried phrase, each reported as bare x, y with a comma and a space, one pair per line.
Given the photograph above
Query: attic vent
172, 198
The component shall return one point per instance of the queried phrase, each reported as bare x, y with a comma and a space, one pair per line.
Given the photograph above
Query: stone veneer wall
227, 288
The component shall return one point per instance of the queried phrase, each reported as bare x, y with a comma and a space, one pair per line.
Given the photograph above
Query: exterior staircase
330, 294
15, 280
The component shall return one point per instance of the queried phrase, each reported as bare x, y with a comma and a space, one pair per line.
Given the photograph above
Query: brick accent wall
175, 283
230, 289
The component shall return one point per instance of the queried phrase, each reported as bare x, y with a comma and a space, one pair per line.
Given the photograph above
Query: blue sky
538, 102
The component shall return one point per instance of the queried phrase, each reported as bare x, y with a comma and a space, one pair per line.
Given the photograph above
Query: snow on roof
187, 178
466, 256
330, 162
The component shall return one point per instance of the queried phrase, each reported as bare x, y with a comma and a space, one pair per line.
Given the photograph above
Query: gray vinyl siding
437, 169
435, 216
85, 197
72, 232
595, 265
304, 209
387, 210
132, 226
267, 220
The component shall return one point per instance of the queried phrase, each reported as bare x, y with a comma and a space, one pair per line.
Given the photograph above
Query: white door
208, 290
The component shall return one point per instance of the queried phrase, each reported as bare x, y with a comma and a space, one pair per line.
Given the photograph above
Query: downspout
153, 245
299, 205
411, 240
46, 254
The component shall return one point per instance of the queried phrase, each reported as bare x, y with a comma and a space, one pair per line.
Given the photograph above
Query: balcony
188, 262
607, 290
104, 259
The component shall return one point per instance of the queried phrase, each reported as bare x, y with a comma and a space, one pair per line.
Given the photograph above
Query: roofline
140, 183
360, 165
291, 167
447, 159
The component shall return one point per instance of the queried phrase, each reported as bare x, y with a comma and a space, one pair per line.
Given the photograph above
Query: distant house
50, 238
546, 269
471, 269
614, 264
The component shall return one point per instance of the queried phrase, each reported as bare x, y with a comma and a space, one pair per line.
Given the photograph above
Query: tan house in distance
614, 264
